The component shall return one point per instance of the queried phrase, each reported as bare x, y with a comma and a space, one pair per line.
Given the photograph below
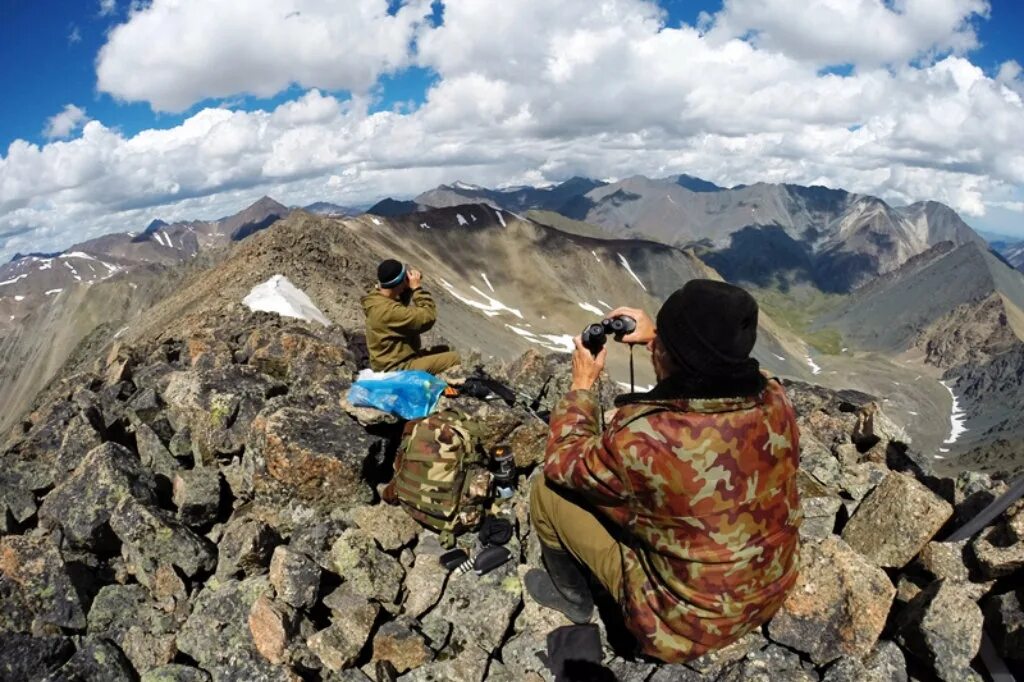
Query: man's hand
414, 278
645, 331
586, 368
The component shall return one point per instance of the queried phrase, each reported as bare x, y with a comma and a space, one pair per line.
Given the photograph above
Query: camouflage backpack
441, 478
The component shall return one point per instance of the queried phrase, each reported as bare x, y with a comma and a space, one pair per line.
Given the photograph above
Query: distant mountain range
761, 234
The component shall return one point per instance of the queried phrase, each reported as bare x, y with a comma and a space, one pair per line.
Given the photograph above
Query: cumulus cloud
574, 87
172, 53
107, 7
862, 32
65, 122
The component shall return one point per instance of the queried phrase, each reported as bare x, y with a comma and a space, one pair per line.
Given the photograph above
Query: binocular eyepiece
595, 335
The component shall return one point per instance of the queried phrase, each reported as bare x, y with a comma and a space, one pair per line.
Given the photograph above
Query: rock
886, 663
997, 552
36, 585
176, 673
366, 416
424, 584
817, 461
196, 494
125, 615
217, 636
467, 665
272, 625
81, 506
401, 646
676, 672
838, 606
31, 464
896, 520
479, 609
245, 547
369, 571
1004, 620
295, 353
315, 539
860, 479
96, 659
295, 577
80, 437
153, 454
942, 627
389, 525
945, 560
315, 456
23, 657
819, 506
352, 620
218, 406
874, 425
714, 662
180, 444
155, 536
770, 664
16, 507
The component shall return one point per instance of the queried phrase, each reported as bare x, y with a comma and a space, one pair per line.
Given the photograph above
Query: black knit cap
390, 273
709, 327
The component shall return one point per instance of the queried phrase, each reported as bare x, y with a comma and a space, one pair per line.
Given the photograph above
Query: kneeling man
685, 505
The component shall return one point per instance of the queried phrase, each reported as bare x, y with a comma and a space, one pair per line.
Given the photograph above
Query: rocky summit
203, 506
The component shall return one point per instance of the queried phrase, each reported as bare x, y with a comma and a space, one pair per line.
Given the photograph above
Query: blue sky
49, 50
902, 103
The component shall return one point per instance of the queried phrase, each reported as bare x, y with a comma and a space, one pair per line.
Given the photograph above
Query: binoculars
596, 335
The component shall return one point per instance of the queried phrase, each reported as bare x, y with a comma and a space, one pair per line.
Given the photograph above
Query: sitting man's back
697, 480
397, 311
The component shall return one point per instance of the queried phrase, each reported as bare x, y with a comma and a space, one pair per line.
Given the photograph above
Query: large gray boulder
942, 627
896, 520
365, 568
156, 537
36, 586
83, 503
838, 606
126, 615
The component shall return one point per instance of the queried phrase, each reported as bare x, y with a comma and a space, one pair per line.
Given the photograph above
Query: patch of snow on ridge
278, 295
957, 418
501, 218
12, 281
591, 308
598, 258
490, 306
625, 264
78, 254
604, 304
815, 369
559, 343
375, 220
487, 281
424, 226
51, 292
462, 221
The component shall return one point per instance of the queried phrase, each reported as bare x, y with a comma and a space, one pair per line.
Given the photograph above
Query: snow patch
472, 216
12, 281
462, 221
51, 292
487, 281
78, 254
490, 306
815, 369
424, 226
459, 184
559, 343
911, 412
278, 295
45, 264
591, 308
604, 304
501, 218
625, 264
957, 418
375, 220
781, 359
598, 258
19, 299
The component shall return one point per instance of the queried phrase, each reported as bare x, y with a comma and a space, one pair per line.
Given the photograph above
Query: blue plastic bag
410, 394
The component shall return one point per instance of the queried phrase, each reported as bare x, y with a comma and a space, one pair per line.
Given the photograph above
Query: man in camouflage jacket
685, 505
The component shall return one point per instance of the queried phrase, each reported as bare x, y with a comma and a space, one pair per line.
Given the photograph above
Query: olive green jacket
393, 328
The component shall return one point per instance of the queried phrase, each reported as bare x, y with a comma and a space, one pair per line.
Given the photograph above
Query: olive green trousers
435, 363
560, 522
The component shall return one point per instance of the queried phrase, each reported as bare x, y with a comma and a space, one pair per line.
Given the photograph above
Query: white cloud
107, 7
862, 32
529, 92
65, 122
74, 35
173, 54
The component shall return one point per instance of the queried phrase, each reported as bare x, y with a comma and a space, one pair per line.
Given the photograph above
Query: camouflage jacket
705, 494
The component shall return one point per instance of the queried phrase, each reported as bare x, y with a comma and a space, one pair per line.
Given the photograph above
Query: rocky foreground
204, 507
